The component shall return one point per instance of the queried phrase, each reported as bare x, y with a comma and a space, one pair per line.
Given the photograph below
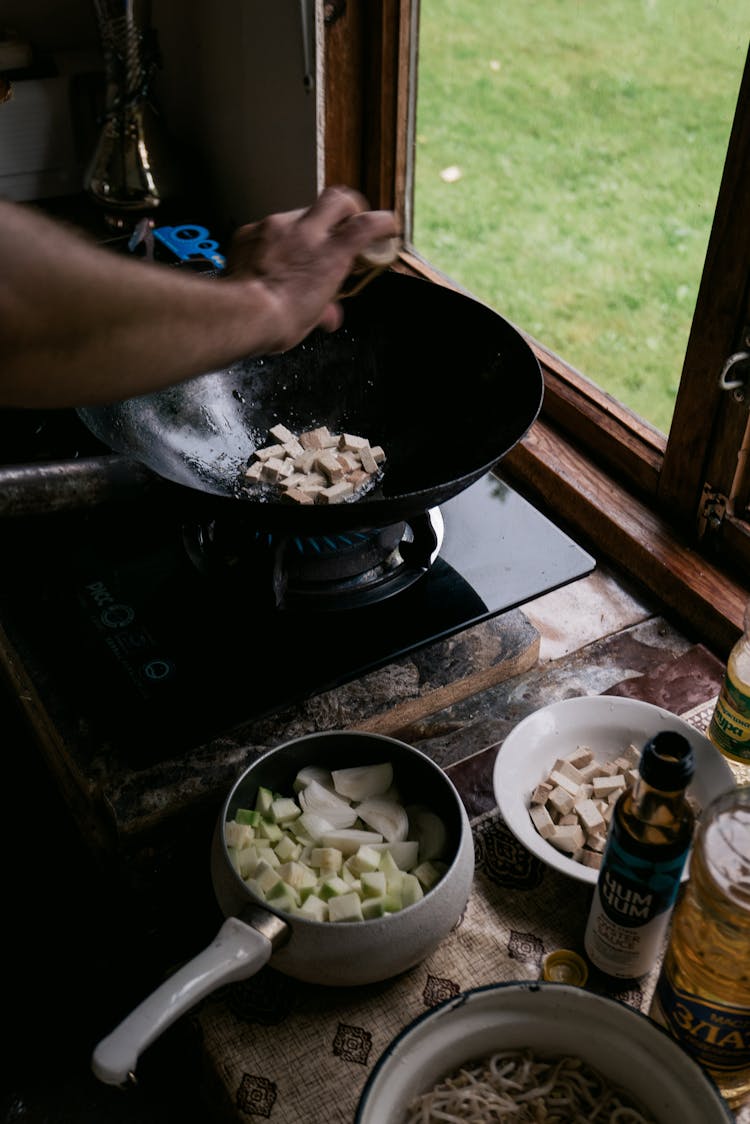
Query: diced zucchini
297, 875
284, 809
337, 855
284, 897
287, 849
238, 835
269, 830
428, 874
345, 907
364, 858
411, 890
263, 801
266, 876
267, 853
373, 907
326, 858
379, 906
247, 861
373, 884
247, 816
314, 907
333, 887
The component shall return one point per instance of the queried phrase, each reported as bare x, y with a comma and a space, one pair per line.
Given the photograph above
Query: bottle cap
667, 761
565, 966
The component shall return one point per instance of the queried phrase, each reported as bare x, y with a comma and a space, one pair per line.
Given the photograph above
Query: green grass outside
590, 137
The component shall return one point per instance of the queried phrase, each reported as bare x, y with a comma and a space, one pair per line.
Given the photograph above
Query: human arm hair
81, 325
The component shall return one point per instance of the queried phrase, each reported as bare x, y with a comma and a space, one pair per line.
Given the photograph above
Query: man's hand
302, 257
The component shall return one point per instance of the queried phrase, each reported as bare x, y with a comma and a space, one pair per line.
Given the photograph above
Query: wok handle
238, 951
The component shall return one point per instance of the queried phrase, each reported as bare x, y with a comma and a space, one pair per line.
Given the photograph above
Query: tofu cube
580, 757
560, 801
561, 780
567, 770
275, 469
632, 755
305, 461
596, 841
358, 478
569, 838
255, 472
588, 772
604, 785
293, 448
541, 793
329, 465
281, 434
352, 442
336, 493
268, 452
348, 462
542, 821
369, 464
589, 815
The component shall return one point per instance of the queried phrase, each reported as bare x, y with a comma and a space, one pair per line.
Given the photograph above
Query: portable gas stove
149, 626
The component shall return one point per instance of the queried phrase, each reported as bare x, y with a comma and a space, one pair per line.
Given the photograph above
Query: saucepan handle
239, 951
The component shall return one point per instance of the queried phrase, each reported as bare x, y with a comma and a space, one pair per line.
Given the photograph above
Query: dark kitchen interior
141, 635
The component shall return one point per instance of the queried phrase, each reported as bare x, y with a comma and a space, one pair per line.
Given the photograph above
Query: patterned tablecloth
293, 1053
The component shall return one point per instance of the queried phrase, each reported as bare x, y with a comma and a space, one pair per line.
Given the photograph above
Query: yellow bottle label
729, 729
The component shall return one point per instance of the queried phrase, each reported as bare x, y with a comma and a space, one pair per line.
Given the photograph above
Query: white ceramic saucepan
344, 953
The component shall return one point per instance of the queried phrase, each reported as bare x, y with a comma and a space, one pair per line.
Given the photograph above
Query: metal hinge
734, 379
712, 511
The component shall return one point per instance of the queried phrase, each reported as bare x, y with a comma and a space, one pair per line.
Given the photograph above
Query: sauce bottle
703, 992
729, 728
649, 838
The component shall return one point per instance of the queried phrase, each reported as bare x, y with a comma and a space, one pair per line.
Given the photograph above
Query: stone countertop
114, 941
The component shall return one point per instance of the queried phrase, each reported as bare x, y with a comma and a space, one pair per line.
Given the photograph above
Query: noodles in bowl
600, 1050
521, 1087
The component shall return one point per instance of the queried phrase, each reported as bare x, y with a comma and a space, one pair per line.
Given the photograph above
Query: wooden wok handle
367, 265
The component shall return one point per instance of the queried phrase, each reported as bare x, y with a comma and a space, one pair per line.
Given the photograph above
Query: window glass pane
568, 159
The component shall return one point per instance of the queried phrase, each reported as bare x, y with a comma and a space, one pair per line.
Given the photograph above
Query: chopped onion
338, 812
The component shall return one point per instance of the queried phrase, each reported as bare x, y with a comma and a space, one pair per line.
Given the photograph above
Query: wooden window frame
661, 509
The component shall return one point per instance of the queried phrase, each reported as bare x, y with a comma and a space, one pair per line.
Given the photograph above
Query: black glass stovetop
112, 612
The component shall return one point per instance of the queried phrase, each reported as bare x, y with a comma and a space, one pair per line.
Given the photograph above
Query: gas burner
320, 572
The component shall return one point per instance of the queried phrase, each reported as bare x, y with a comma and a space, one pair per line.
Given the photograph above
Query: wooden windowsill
607, 496
623, 530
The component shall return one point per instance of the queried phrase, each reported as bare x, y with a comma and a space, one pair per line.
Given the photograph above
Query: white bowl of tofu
560, 771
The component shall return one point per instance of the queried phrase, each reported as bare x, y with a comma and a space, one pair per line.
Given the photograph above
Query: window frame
668, 510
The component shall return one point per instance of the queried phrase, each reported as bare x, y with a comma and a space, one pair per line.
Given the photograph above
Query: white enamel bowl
557, 1019
607, 725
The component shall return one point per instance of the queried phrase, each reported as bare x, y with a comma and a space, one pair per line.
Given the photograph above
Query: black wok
441, 381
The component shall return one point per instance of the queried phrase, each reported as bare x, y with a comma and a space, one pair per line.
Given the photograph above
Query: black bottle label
632, 904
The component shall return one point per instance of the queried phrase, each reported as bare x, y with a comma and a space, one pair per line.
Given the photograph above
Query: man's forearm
78, 323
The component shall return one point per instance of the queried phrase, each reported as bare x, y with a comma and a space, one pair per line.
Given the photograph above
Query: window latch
712, 511
731, 378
